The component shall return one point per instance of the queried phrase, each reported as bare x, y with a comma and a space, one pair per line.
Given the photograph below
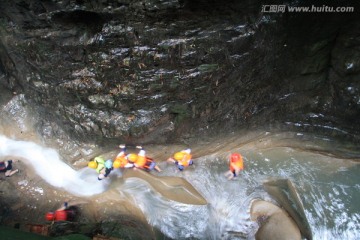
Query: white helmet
188, 151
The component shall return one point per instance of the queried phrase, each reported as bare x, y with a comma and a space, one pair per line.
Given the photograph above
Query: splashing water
328, 187
48, 165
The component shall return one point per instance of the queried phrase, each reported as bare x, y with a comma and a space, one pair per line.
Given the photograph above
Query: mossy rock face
124, 230
180, 112
73, 237
204, 68
71, 231
7, 233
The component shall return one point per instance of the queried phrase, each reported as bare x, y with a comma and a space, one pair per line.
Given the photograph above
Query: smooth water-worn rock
172, 188
275, 223
284, 192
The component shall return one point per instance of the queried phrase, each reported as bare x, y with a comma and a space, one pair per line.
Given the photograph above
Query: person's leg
229, 175
171, 160
157, 168
9, 173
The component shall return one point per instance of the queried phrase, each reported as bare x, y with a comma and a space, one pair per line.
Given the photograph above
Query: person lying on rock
67, 212
236, 165
141, 161
6, 167
102, 167
182, 159
121, 160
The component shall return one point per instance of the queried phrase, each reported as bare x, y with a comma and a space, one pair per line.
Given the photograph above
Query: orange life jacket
238, 162
185, 160
122, 160
140, 161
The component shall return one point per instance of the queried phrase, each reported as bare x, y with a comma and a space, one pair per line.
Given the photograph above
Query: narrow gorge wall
159, 71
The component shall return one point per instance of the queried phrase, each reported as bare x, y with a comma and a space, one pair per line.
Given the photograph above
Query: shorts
150, 166
181, 167
107, 171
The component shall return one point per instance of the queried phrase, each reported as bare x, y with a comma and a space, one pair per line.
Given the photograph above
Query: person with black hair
6, 167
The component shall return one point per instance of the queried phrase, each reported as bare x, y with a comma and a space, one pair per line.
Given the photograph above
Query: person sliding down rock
236, 165
121, 160
141, 161
6, 167
102, 167
182, 159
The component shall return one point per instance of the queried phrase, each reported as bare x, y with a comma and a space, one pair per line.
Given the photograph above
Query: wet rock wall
159, 71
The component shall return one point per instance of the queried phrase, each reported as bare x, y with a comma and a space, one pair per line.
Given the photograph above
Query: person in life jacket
182, 159
103, 168
235, 166
121, 160
65, 213
141, 161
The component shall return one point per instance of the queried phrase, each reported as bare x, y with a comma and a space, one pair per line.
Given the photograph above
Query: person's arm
122, 153
170, 159
64, 206
236, 167
129, 165
233, 165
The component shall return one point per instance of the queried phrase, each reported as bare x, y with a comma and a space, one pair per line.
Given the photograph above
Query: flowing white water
48, 165
328, 187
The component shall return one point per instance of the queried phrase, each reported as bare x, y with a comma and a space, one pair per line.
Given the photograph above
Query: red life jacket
148, 162
2, 166
60, 215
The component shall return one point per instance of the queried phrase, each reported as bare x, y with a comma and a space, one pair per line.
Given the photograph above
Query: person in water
182, 159
121, 160
6, 167
235, 166
103, 168
141, 161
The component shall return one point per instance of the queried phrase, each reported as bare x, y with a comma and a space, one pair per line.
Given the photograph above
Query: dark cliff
158, 71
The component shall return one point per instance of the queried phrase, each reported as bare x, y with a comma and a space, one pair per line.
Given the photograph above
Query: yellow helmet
179, 156
92, 164
132, 157
116, 164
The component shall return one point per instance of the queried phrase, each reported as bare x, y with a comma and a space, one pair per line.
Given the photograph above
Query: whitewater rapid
328, 187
